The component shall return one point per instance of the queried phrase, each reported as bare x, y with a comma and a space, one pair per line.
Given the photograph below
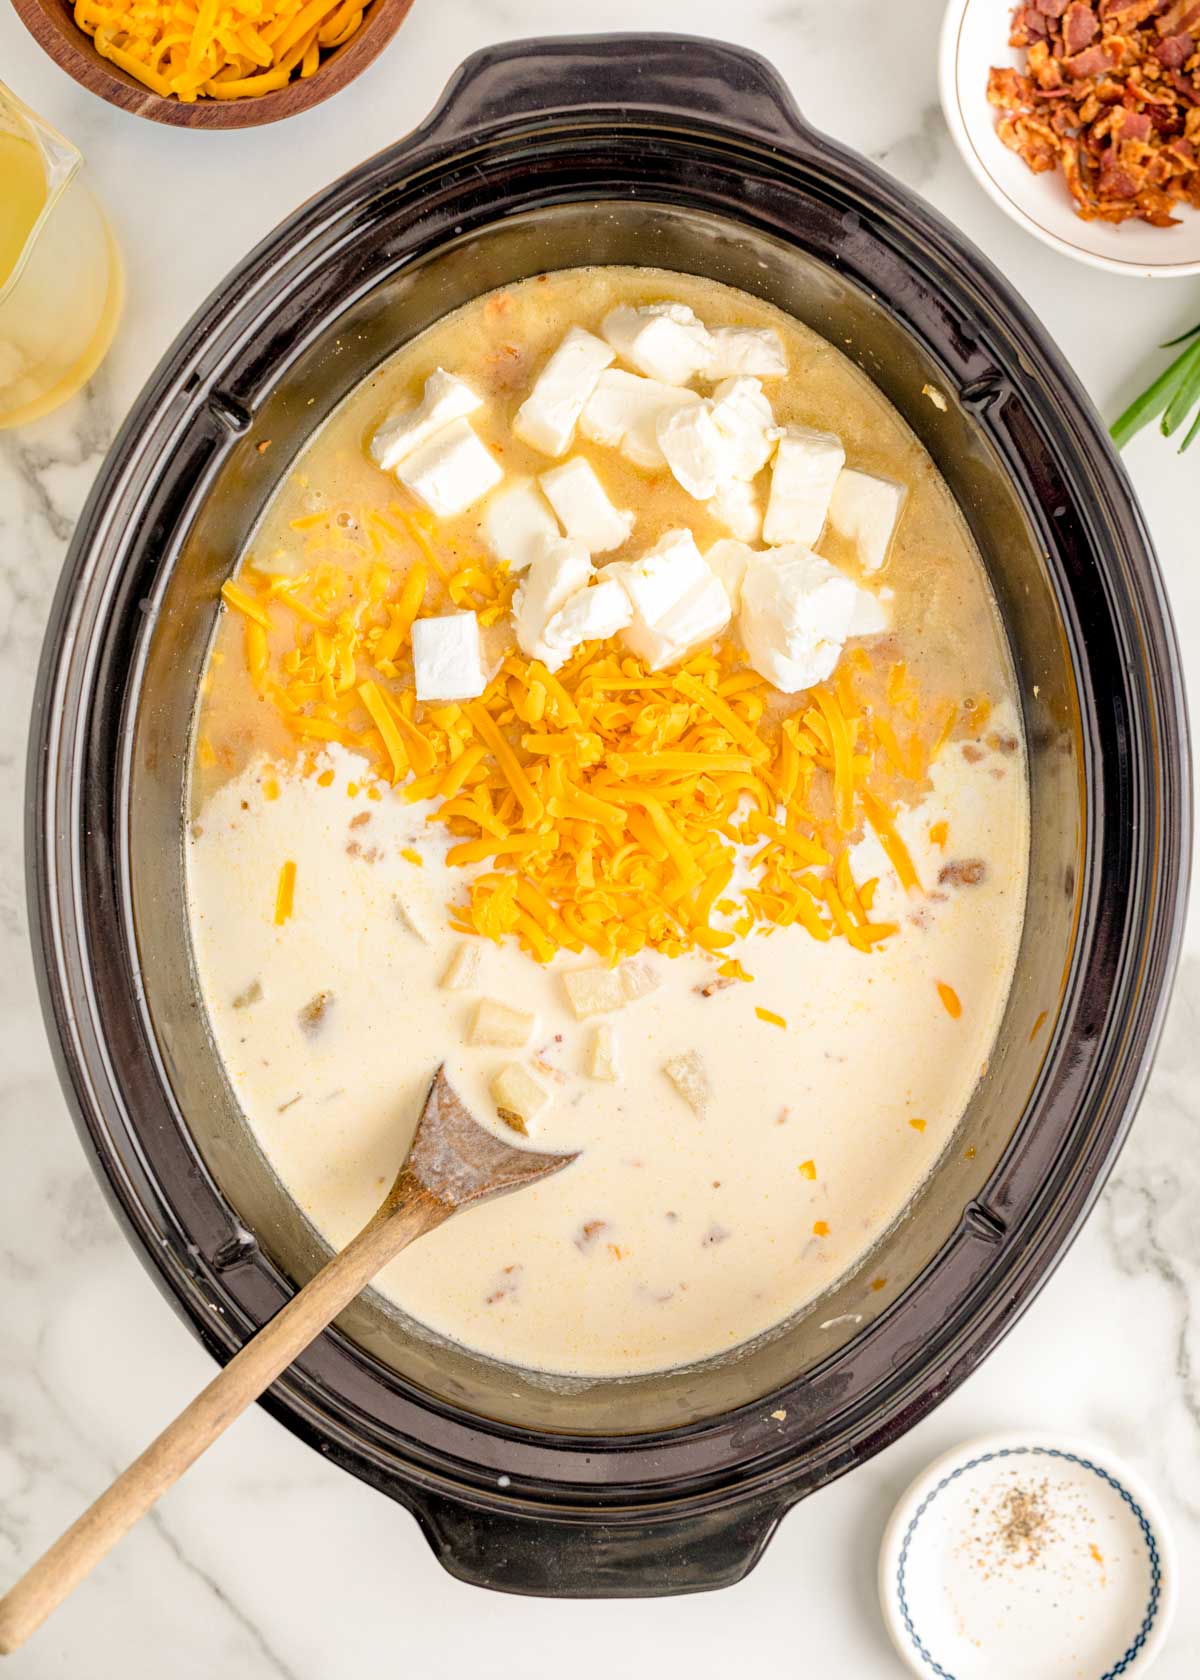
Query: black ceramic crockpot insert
691, 156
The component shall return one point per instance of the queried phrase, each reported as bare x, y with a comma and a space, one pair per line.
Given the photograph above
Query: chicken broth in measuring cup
612, 704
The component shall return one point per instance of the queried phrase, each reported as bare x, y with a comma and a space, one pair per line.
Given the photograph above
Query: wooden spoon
452, 1163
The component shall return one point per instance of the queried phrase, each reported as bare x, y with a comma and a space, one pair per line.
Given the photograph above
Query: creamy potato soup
611, 705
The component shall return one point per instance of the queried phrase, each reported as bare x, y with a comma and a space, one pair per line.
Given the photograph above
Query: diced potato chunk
496, 1023
518, 1096
602, 1058
411, 915
637, 980
462, 971
687, 1074
594, 991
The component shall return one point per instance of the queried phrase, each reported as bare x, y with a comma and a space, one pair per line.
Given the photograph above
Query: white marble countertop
267, 1561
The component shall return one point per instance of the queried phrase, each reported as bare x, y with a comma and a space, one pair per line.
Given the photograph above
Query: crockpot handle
549, 1555
663, 75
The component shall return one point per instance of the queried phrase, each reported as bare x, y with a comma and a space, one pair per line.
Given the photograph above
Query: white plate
974, 37
962, 1601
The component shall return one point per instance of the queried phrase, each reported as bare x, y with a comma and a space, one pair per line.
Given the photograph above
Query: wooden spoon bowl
52, 25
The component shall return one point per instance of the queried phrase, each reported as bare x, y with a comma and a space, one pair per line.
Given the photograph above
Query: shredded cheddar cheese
950, 1000
285, 893
194, 49
770, 1017
602, 808
807, 1169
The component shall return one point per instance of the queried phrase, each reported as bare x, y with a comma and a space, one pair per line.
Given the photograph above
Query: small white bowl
965, 1598
974, 37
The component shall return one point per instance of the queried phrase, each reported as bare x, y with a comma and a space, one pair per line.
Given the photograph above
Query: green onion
1173, 396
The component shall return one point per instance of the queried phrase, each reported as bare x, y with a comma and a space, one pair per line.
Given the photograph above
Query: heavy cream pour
675, 1237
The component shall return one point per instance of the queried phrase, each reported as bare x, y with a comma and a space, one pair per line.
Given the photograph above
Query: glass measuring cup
60, 270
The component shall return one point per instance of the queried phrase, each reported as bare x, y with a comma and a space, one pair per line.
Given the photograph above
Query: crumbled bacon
1080, 25
1174, 52
1109, 94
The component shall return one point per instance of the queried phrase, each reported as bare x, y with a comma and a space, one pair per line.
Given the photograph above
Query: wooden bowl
52, 25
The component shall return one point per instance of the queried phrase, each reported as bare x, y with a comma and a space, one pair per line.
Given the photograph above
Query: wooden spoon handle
59, 1571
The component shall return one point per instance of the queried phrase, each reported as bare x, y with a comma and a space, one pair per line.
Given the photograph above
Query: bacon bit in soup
950, 1000
548, 1070
285, 893
967, 872
589, 1233
769, 1016
807, 1169
314, 1011
710, 988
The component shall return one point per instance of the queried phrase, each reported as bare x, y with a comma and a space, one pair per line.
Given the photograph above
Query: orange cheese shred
285, 893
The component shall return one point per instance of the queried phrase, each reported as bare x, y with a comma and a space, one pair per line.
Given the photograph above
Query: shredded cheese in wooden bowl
218, 49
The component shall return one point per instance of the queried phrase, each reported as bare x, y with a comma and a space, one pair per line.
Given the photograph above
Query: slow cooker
689, 155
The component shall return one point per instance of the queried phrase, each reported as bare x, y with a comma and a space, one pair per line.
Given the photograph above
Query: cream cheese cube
665, 341
678, 603
807, 464
584, 511
557, 571
744, 416
624, 412
865, 511
728, 560
546, 420
452, 471
729, 436
448, 658
736, 506
744, 350
797, 612
516, 522
445, 398
590, 615
696, 450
